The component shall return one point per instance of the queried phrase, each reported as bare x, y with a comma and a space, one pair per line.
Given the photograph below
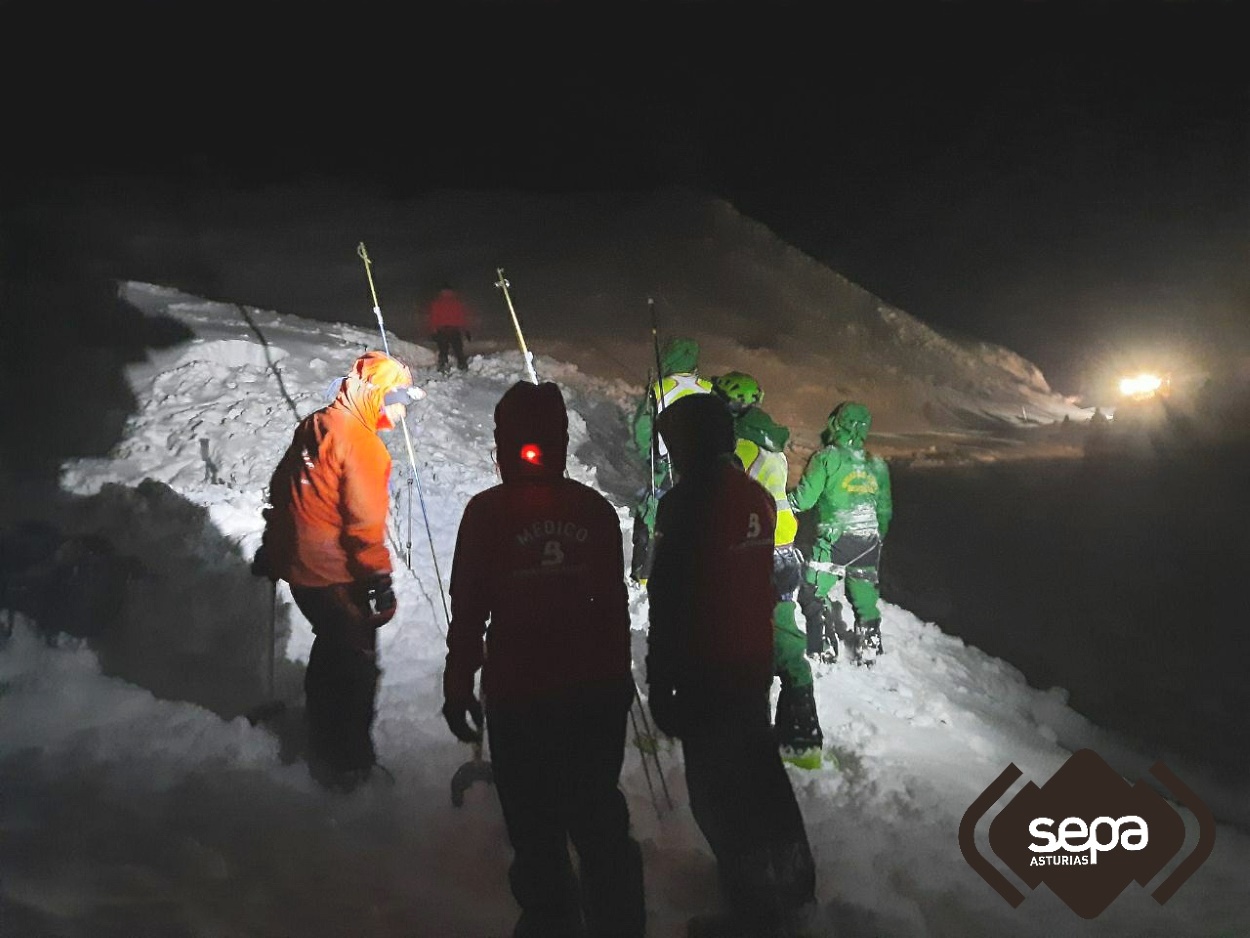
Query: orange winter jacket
329, 494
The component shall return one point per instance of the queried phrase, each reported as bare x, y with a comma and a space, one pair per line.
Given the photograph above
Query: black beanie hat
532, 413
696, 429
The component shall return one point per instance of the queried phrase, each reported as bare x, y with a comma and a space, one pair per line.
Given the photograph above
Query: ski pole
273, 638
655, 338
646, 769
412, 462
657, 396
655, 752
502, 283
653, 448
408, 541
392, 529
412, 457
377, 310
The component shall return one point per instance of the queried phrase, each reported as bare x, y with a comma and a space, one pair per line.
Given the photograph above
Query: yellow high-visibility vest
772, 471
673, 388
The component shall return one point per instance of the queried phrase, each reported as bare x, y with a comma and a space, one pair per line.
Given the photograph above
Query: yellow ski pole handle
377, 308
503, 284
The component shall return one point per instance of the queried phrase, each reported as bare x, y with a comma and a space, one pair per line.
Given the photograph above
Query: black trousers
556, 765
742, 800
341, 681
450, 341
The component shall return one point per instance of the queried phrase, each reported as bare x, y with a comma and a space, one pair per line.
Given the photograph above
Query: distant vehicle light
1141, 386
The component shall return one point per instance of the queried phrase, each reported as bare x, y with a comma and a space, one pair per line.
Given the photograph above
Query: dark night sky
1072, 181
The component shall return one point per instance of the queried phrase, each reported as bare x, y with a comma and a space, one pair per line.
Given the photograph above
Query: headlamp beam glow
1142, 385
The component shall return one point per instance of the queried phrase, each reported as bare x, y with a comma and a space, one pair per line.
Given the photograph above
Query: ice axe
476, 769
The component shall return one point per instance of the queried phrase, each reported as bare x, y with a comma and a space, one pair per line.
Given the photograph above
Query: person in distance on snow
760, 446
324, 534
710, 669
539, 604
850, 490
448, 321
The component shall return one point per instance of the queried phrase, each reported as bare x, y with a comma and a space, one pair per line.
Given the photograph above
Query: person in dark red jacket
710, 668
325, 535
539, 557
448, 320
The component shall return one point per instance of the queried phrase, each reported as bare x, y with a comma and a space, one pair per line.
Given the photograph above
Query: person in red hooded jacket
325, 535
539, 557
710, 670
448, 321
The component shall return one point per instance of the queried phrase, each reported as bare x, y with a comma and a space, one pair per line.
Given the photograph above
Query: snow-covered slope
581, 268
137, 801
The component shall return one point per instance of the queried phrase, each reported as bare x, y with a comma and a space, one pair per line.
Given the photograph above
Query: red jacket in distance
447, 309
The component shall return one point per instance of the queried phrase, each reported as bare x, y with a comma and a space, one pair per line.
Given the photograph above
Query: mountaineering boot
829, 653
872, 637
783, 722
800, 740
822, 638
835, 628
868, 645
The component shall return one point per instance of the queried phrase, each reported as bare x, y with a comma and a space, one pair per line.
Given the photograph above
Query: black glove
382, 601
662, 700
261, 565
458, 713
468, 336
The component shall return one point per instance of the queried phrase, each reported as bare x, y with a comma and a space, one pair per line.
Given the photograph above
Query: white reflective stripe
683, 384
757, 463
861, 519
837, 592
822, 567
783, 504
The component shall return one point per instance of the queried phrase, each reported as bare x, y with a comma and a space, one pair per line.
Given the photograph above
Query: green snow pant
789, 647
860, 556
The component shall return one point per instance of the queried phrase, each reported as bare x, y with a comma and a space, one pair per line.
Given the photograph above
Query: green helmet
738, 389
680, 355
848, 425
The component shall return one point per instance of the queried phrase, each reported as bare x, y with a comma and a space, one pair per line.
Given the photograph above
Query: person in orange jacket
448, 320
325, 531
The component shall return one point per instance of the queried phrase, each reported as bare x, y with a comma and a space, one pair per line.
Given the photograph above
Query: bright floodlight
1143, 385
